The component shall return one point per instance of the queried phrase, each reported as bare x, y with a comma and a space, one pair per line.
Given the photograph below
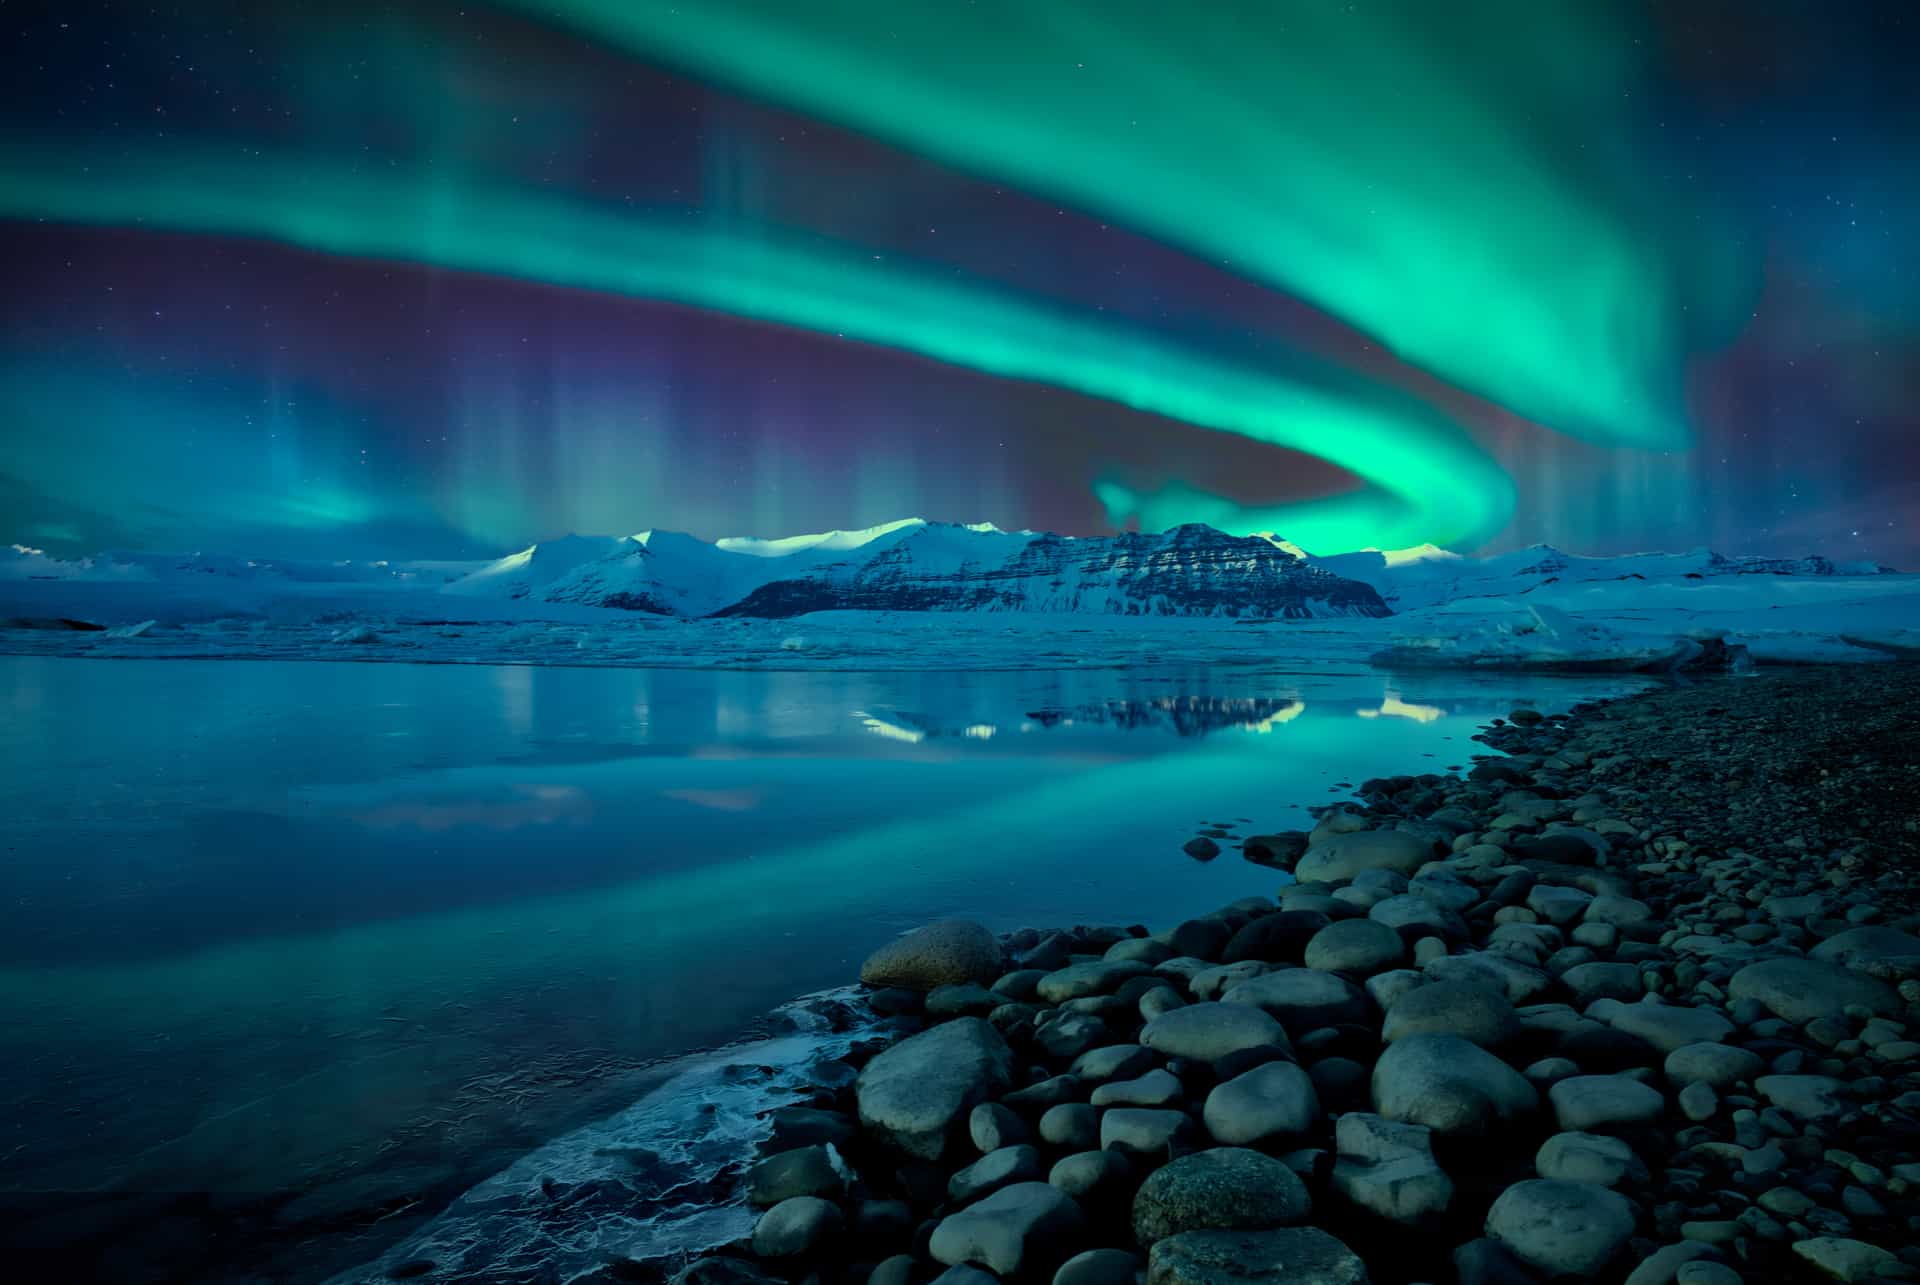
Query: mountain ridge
920, 566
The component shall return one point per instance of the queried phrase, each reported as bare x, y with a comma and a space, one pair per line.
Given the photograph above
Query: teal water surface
323, 930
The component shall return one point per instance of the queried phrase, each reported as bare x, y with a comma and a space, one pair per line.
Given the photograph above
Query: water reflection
1179, 715
1391, 706
261, 919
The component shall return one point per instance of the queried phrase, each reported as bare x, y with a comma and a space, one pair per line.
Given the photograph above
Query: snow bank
1545, 639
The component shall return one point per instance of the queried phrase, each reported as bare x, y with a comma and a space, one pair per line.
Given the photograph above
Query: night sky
435, 280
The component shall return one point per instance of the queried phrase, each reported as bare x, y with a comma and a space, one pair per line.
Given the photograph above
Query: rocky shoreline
1637, 999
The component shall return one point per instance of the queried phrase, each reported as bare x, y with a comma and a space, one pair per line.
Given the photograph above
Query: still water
308, 938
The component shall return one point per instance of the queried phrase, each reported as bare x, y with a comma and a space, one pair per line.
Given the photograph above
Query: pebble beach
1636, 998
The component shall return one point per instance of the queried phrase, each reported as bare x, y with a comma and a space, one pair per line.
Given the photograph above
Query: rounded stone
1078, 981
1477, 1013
993, 1171
1101, 1267
1016, 1231
992, 1126
1451, 1085
1698, 1102
1388, 1168
1589, 1157
1269, 1102
1207, 1032
915, 1094
1359, 946
1841, 1259
1072, 1125
1801, 990
1114, 1062
1157, 1088
1226, 1188
1087, 1175
796, 1226
1337, 859
1304, 999
1719, 1066
804, 1171
1142, 1131
1295, 1255
1414, 917
950, 952
1562, 1228
1589, 1102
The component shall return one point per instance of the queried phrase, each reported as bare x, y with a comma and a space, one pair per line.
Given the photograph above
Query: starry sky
418, 279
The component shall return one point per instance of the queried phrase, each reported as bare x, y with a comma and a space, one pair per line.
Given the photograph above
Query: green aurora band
1426, 481
1459, 180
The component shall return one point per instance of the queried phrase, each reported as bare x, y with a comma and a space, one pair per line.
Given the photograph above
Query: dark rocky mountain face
1189, 571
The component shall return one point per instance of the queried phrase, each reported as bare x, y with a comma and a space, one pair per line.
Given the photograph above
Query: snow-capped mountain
919, 566
1424, 577
926, 566
21, 562
1189, 571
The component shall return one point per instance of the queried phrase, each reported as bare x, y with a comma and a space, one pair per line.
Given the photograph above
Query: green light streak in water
1426, 480
1456, 179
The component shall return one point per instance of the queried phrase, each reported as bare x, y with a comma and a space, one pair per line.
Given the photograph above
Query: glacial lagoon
321, 945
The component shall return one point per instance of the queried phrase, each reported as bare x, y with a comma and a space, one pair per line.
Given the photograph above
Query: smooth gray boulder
996, 1169
1557, 905
1157, 1088
1294, 1255
1072, 1125
1585, 1103
1719, 1066
1358, 946
1212, 983
1601, 980
1342, 856
1228, 1188
1810, 1097
1519, 981
1114, 1062
914, 1095
1388, 1169
1304, 999
1207, 1032
1841, 1259
1269, 1102
1663, 1265
1077, 981
1414, 917
1090, 1174
1101, 1267
797, 1226
804, 1171
1869, 944
962, 1275
1477, 1013
1143, 1131
1562, 1228
1616, 911
1665, 1026
1801, 990
950, 952
1018, 1230
1444, 888
1589, 1157
992, 1126
1451, 1085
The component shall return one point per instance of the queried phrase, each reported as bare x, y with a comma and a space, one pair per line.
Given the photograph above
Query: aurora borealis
423, 280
